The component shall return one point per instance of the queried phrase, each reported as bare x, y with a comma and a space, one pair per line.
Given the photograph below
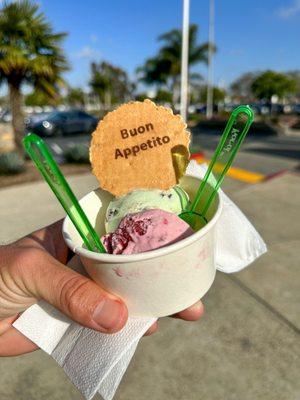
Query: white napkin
238, 242
96, 362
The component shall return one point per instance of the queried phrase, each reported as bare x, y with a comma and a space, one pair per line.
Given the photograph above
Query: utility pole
211, 39
184, 60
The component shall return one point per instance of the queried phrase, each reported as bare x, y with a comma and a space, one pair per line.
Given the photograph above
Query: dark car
296, 109
61, 123
202, 109
31, 119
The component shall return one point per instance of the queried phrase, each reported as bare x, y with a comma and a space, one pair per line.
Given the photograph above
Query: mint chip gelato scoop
174, 200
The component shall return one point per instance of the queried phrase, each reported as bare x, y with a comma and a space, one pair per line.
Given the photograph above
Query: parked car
61, 123
31, 119
5, 116
296, 109
202, 109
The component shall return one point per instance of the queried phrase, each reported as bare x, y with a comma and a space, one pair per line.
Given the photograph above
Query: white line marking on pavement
56, 148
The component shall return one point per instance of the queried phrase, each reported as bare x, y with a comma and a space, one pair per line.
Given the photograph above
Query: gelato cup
155, 283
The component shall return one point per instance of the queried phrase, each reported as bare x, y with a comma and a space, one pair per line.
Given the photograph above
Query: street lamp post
211, 39
184, 60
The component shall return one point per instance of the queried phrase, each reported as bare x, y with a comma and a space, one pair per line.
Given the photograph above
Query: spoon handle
231, 140
41, 156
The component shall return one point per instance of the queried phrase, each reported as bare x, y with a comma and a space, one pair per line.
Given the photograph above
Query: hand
33, 268
192, 313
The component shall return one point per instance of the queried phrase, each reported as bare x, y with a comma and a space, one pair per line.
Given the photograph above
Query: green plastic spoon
235, 131
41, 156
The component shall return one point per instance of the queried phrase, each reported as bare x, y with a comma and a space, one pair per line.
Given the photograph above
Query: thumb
76, 296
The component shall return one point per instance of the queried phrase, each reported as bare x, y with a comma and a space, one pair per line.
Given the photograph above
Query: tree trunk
175, 85
107, 100
173, 90
16, 103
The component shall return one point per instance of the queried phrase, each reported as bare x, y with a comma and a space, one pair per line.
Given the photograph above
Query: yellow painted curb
236, 173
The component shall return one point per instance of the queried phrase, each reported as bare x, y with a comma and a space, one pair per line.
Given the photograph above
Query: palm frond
166, 64
29, 49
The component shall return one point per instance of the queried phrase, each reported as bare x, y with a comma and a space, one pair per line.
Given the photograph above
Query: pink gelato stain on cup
118, 272
135, 274
159, 282
199, 265
203, 254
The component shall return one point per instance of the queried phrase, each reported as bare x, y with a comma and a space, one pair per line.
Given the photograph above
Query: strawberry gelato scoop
146, 230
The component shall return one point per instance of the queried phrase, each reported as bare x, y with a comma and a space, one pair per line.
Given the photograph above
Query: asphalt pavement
265, 155
262, 154
59, 145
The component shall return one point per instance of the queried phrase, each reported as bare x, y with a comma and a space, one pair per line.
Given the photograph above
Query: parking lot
266, 155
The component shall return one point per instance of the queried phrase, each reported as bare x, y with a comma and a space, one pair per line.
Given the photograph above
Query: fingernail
108, 314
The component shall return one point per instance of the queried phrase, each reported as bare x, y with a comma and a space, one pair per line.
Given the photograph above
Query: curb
276, 175
233, 172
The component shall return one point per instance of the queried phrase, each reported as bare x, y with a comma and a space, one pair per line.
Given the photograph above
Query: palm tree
40, 98
110, 83
75, 97
30, 53
165, 67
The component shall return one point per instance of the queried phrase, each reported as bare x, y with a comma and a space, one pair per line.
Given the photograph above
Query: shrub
78, 154
275, 119
11, 163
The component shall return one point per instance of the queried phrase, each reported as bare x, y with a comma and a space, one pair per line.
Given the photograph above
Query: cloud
289, 11
87, 52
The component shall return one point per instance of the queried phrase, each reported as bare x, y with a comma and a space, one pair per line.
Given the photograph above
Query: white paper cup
159, 282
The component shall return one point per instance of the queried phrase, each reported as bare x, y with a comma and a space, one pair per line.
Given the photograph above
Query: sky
256, 35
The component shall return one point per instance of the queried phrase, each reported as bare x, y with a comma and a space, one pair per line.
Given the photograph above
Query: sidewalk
245, 347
